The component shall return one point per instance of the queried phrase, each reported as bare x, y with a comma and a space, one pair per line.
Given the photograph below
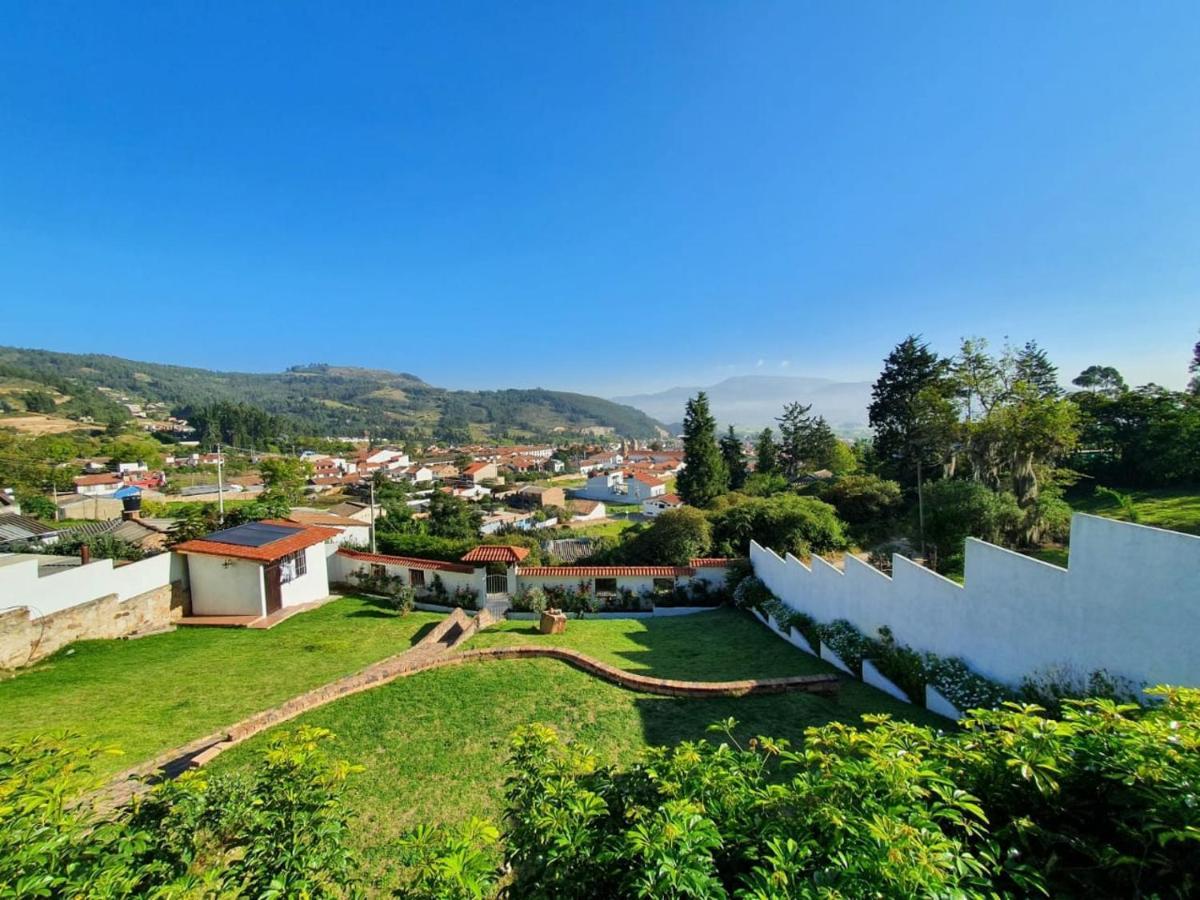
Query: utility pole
372, 514
220, 488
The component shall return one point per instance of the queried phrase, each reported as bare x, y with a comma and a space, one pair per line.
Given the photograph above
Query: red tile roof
647, 479
496, 553
476, 467
106, 478
301, 540
668, 498
712, 562
409, 562
608, 571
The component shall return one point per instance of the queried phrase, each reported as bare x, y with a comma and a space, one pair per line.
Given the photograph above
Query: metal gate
497, 584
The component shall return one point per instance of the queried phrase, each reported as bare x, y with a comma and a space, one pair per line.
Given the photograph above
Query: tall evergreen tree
1033, 367
910, 409
807, 443
704, 477
735, 459
1194, 368
766, 454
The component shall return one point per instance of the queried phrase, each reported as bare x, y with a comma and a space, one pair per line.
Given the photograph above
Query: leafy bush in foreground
1100, 803
279, 830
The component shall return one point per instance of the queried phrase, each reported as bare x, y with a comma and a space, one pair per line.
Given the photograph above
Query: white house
653, 506
98, 485
586, 510
607, 487
351, 531
253, 570
641, 488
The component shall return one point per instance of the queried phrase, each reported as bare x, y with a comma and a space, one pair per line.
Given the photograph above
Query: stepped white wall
1129, 603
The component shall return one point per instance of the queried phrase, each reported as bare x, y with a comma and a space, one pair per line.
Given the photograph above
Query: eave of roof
410, 562
607, 571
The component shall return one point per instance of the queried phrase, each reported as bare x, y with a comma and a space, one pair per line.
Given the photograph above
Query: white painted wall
313, 584
341, 567
21, 586
225, 586
1129, 603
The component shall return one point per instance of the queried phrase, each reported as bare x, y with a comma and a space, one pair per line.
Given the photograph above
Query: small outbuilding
258, 568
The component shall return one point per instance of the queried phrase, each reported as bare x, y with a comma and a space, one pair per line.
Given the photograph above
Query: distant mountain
327, 400
751, 402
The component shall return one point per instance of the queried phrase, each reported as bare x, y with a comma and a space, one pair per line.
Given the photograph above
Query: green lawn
434, 745
149, 695
1175, 508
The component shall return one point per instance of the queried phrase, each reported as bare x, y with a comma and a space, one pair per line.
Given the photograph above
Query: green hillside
334, 400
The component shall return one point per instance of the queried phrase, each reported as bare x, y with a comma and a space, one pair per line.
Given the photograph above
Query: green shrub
963, 687
277, 830
1100, 803
1051, 686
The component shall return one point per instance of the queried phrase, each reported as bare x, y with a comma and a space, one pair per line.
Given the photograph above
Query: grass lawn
434, 745
607, 528
148, 695
1175, 508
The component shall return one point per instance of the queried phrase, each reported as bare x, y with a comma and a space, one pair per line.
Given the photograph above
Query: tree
1194, 369
39, 402
1032, 366
704, 477
673, 539
766, 454
1101, 380
807, 443
956, 509
976, 375
734, 458
452, 517
787, 523
909, 410
867, 503
285, 476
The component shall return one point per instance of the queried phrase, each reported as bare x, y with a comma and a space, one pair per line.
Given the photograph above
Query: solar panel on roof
252, 534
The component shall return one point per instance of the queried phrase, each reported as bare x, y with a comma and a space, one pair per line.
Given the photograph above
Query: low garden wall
42, 613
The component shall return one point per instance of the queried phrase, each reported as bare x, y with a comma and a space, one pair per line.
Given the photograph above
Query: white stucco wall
341, 567
225, 586
313, 584
21, 586
1129, 603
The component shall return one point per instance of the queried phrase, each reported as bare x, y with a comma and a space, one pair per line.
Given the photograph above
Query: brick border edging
428, 654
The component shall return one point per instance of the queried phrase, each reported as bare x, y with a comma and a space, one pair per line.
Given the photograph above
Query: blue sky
606, 197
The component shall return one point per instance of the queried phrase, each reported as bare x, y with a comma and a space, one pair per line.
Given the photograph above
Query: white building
253, 570
641, 488
653, 506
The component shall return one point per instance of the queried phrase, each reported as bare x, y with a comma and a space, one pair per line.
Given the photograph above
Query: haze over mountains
751, 402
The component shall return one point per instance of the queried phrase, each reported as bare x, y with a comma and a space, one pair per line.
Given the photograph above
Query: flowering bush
964, 688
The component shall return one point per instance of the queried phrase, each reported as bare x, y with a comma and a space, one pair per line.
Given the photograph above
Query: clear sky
600, 196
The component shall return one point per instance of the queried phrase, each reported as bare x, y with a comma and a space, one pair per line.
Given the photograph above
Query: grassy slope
1177, 509
149, 695
434, 745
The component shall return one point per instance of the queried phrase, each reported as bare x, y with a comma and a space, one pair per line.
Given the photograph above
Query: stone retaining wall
25, 639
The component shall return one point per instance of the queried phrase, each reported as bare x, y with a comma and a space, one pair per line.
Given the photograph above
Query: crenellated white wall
1129, 603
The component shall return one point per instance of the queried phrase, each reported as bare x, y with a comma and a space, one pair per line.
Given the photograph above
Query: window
606, 585
292, 566
416, 578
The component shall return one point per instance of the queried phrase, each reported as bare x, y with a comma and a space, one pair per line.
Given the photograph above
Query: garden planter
876, 679
834, 660
936, 702
553, 621
762, 617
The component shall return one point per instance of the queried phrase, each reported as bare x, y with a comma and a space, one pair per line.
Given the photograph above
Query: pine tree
1033, 367
735, 459
766, 454
704, 477
1194, 368
912, 391
807, 443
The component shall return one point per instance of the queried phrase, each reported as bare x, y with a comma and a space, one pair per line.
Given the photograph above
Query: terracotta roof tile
496, 553
712, 562
409, 562
608, 571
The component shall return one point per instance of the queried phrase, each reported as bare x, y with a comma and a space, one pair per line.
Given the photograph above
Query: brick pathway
434, 651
